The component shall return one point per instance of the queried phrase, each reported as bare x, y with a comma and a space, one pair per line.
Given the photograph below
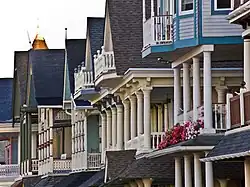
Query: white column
223, 182
19, 148
109, 129
221, 94
178, 175
126, 122
152, 8
139, 95
186, 91
160, 119
196, 87
85, 140
147, 182
166, 121
187, 171
104, 135
247, 63
114, 127
133, 115
197, 171
247, 171
177, 94
120, 133
143, 11
147, 120
209, 174
207, 91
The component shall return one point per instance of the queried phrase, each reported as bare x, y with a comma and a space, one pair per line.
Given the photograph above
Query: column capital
221, 88
147, 90
186, 65
125, 102
113, 109
139, 183
147, 182
119, 107
139, 94
132, 98
108, 112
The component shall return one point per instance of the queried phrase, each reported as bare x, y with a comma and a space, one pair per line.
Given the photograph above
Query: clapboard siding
186, 29
175, 31
217, 25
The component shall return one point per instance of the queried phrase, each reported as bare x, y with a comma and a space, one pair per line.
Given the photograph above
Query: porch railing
158, 30
94, 161
104, 62
62, 165
218, 116
34, 165
83, 78
138, 142
12, 170
238, 109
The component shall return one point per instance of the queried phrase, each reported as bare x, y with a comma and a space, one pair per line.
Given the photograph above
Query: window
223, 4
186, 5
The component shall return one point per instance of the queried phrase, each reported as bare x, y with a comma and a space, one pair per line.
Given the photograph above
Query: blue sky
19, 16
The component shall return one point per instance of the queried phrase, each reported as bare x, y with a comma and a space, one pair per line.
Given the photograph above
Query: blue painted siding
216, 25
186, 29
5, 99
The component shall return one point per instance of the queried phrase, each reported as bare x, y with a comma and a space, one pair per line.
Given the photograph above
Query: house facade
145, 100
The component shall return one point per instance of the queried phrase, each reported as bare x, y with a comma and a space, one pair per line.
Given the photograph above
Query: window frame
185, 12
223, 9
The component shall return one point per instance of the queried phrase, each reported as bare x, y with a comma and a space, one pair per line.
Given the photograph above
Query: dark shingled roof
6, 99
232, 143
21, 61
118, 161
126, 29
75, 179
95, 32
76, 49
48, 71
50, 181
31, 181
96, 180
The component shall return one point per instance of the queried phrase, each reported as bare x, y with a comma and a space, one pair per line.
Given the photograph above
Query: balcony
138, 142
9, 171
83, 78
239, 107
158, 30
94, 161
218, 116
61, 166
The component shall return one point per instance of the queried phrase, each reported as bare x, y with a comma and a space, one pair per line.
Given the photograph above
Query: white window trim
181, 13
221, 9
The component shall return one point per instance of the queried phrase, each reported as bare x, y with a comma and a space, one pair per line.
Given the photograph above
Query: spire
39, 41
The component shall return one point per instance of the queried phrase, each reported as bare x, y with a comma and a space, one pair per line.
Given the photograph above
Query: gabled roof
231, 146
95, 32
75, 56
118, 161
6, 85
126, 30
48, 71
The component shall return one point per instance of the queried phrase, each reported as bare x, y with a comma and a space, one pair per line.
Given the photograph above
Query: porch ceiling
161, 95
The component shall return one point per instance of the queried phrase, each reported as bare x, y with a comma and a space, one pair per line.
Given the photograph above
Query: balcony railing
218, 116
94, 161
34, 165
12, 170
104, 62
62, 166
137, 142
83, 78
158, 30
239, 109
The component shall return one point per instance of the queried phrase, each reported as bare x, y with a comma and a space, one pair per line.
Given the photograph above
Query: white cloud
17, 17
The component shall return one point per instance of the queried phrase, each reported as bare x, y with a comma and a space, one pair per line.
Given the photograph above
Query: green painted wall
93, 133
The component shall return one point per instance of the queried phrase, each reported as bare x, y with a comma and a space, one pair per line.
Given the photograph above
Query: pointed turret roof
39, 41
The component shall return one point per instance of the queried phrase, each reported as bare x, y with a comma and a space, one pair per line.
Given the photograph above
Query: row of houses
156, 95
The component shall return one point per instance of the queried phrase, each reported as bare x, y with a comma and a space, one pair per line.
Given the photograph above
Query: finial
95, 56
79, 68
76, 70
102, 49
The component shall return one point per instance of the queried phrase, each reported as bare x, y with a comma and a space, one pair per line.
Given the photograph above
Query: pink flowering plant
182, 132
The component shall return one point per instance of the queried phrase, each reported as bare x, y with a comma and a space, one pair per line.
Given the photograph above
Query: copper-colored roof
39, 41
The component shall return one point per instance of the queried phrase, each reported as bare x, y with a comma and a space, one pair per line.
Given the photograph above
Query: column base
208, 131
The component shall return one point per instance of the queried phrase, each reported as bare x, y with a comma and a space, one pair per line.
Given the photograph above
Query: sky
20, 17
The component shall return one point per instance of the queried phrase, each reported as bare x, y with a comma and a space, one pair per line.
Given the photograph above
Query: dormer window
186, 7
223, 4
